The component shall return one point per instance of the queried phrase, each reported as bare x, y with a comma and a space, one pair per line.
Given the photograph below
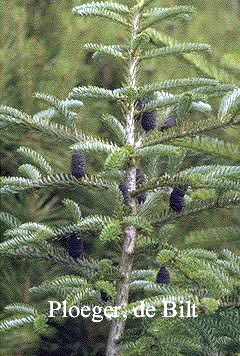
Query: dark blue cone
163, 276
126, 195
141, 198
170, 122
75, 246
177, 199
104, 296
78, 165
148, 119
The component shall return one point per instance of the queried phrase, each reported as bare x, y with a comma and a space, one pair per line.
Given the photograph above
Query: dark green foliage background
42, 50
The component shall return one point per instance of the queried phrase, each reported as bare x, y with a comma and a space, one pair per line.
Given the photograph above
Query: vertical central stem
130, 233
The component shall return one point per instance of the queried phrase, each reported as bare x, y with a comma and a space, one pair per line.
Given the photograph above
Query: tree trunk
130, 234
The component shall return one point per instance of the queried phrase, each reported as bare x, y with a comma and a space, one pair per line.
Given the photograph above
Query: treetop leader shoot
97, 313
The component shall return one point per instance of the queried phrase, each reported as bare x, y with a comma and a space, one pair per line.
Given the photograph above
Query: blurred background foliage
42, 50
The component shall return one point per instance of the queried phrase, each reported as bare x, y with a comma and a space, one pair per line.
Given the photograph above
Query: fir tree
208, 278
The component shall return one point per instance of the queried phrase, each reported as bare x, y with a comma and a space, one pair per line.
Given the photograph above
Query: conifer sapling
133, 226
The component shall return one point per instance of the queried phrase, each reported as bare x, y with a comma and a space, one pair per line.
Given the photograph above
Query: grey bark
130, 233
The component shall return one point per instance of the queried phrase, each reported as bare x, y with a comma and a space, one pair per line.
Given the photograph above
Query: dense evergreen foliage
161, 127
